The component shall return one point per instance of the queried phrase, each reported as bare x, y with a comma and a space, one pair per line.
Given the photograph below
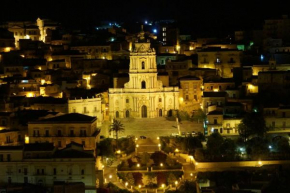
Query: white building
144, 95
43, 164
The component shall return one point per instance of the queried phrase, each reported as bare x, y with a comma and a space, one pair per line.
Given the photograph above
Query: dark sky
200, 16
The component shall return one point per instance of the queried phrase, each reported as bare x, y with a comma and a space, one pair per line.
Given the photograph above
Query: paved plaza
152, 127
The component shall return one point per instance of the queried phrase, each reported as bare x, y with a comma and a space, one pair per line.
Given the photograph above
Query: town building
64, 129
144, 95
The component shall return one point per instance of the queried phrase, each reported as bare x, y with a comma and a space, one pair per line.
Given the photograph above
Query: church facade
144, 95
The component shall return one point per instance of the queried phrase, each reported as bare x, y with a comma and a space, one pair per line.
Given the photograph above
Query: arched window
127, 114
117, 114
143, 84
143, 65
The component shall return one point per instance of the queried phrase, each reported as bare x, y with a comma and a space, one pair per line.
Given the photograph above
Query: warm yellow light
26, 139
159, 145
176, 150
23, 56
176, 182
157, 137
181, 99
163, 185
110, 176
103, 57
42, 81
251, 86
138, 165
126, 184
190, 48
215, 90
7, 49
136, 138
196, 163
259, 162
27, 37
137, 145
119, 151
139, 186
161, 164
191, 174
39, 68
30, 94
177, 47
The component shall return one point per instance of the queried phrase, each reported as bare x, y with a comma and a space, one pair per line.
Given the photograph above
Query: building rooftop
215, 112
39, 147
67, 118
214, 94
189, 77
11, 148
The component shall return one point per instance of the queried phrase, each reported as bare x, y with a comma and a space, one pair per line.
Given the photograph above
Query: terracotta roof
68, 118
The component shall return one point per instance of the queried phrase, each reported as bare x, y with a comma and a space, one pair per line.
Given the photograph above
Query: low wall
217, 165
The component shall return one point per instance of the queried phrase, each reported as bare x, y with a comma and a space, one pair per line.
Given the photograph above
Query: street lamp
138, 165
176, 182
126, 184
159, 145
161, 164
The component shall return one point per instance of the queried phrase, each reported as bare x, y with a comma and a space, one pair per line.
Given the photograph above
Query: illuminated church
144, 95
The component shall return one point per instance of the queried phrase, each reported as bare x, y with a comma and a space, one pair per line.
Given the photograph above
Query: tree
170, 161
252, 124
145, 159
188, 187
199, 115
228, 149
171, 178
214, 144
130, 179
117, 127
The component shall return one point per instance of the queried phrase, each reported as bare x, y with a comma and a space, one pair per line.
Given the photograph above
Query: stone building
144, 95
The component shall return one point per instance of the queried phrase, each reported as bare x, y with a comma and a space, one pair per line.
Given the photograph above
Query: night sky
201, 17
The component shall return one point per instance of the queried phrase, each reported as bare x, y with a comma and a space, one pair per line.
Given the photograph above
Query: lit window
164, 39
164, 29
164, 34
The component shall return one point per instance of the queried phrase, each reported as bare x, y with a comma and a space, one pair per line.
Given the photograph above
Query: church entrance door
144, 111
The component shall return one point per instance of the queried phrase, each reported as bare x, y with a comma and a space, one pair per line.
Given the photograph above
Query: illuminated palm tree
117, 127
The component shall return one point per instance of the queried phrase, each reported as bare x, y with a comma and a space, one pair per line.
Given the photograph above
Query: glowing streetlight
161, 164
163, 185
138, 165
110, 176
126, 184
139, 186
137, 145
176, 182
158, 138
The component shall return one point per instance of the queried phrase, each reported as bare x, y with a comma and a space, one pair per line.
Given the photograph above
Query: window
25, 180
215, 121
164, 39
211, 87
25, 171
84, 143
186, 97
85, 109
143, 65
117, 114
220, 88
160, 100
1, 157
195, 97
59, 144
46, 133
54, 171
273, 124
164, 34
164, 29
59, 133
8, 157
83, 133
72, 133
143, 84
83, 172
95, 109
228, 125
127, 100
284, 124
